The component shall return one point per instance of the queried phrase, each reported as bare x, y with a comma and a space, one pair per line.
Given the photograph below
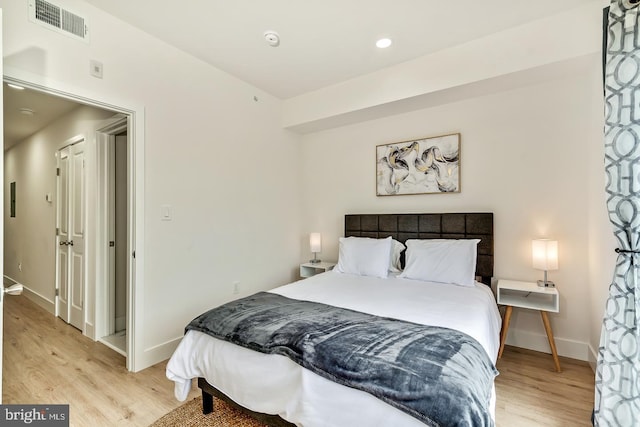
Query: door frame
136, 359
105, 142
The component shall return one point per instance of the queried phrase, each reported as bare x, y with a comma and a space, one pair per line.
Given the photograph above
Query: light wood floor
531, 393
48, 361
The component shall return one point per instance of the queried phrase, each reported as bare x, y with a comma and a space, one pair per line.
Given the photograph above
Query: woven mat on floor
190, 415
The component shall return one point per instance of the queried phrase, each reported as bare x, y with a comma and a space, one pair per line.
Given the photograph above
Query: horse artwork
421, 166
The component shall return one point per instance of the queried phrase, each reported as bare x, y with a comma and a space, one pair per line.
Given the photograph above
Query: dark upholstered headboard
430, 226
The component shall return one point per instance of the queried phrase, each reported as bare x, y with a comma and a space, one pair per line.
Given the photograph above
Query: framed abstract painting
421, 166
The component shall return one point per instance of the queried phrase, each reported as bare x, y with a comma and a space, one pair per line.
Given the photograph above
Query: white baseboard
538, 342
158, 353
8, 281
90, 330
42, 301
34, 296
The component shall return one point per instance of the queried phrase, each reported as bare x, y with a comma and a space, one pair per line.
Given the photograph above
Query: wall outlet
236, 287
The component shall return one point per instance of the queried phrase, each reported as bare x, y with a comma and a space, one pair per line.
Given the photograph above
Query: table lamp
315, 242
545, 257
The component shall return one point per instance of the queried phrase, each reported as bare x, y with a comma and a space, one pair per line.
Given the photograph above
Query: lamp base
314, 261
546, 284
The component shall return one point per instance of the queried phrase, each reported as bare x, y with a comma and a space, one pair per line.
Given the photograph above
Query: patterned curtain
617, 395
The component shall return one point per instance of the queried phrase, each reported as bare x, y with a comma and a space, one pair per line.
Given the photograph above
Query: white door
62, 259
71, 234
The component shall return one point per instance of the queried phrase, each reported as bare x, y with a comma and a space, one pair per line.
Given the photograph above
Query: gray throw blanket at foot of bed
440, 376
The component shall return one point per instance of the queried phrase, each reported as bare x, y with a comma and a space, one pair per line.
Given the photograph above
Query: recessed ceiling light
27, 111
383, 43
16, 87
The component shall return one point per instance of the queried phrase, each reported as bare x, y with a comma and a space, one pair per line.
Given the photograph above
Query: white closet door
77, 236
63, 234
71, 234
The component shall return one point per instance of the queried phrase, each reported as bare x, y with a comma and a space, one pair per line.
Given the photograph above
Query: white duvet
274, 384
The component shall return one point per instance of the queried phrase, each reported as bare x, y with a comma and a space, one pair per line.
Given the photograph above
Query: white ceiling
322, 42
46, 108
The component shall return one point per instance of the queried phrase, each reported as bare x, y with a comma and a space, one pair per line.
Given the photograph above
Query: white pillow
439, 260
394, 262
364, 256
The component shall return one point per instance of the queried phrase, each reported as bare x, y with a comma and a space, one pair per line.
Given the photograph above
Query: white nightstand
309, 269
528, 295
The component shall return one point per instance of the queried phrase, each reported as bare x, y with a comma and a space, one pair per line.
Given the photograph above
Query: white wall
553, 143
525, 156
217, 156
29, 238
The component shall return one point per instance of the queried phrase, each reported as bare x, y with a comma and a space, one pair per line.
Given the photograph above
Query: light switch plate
165, 213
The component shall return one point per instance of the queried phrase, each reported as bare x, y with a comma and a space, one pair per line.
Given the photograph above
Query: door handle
70, 243
62, 243
14, 289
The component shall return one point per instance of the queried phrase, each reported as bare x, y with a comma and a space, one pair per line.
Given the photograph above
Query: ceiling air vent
58, 19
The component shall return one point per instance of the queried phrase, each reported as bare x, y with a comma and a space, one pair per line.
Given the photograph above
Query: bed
281, 392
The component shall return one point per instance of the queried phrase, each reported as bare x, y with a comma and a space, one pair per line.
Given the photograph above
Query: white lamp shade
545, 254
315, 241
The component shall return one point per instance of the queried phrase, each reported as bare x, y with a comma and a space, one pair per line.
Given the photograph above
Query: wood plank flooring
531, 393
47, 361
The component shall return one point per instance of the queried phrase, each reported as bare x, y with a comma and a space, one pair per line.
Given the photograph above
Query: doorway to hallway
94, 323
